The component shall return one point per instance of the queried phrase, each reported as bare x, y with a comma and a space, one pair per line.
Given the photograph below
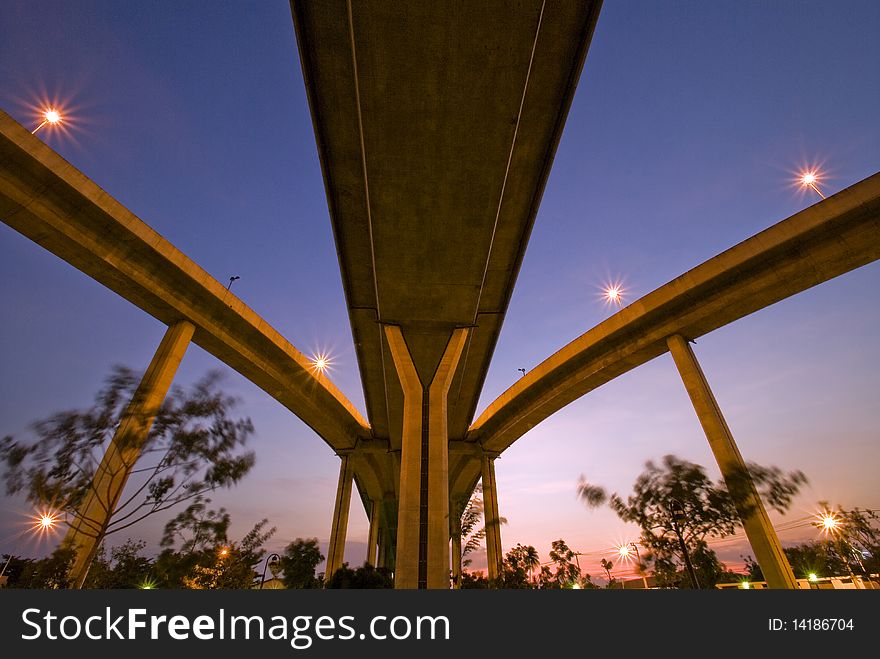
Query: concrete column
95, 512
406, 570
491, 517
388, 533
438, 463
422, 559
336, 551
760, 532
373, 538
455, 532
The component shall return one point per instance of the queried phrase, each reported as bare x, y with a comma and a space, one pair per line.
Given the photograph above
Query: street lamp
42, 523
321, 362
613, 295
271, 559
51, 116
830, 524
626, 551
809, 179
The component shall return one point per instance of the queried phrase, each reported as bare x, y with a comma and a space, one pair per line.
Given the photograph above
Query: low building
817, 583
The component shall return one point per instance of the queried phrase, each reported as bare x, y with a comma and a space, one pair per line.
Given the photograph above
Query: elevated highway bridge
436, 131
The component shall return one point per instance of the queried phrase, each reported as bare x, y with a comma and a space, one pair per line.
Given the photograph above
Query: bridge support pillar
491, 517
95, 512
760, 532
373, 537
336, 550
422, 559
455, 532
387, 533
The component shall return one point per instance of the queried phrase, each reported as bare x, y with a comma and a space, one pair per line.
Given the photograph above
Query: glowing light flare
224, 552
613, 293
810, 179
321, 362
828, 522
51, 117
812, 576
45, 522
625, 552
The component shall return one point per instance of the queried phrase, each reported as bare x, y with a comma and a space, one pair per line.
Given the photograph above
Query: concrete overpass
436, 129
436, 132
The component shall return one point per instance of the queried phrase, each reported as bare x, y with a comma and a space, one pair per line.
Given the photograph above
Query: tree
516, 566
193, 447
299, 560
677, 507
207, 559
607, 565
473, 580
855, 537
472, 534
125, 568
817, 557
49, 572
365, 576
567, 573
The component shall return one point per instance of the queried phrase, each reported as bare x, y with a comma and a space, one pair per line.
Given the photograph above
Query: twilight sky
689, 123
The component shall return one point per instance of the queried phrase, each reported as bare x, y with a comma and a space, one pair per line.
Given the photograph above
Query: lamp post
678, 515
270, 559
832, 526
809, 180
51, 116
624, 552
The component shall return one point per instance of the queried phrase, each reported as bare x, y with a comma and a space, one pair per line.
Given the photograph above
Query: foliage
50, 572
566, 573
517, 566
193, 447
472, 534
856, 539
365, 576
125, 568
299, 560
473, 580
676, 503
853, 547
207, 559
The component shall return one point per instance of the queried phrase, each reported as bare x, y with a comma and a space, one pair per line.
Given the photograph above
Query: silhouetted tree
193, 447
474, 580
567, 573
678, 507
125, 568
299, 560
365, 576
516, 566
472, 533
50, 572
206, 558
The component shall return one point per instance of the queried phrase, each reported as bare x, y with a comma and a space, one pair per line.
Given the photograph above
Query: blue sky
687, 127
